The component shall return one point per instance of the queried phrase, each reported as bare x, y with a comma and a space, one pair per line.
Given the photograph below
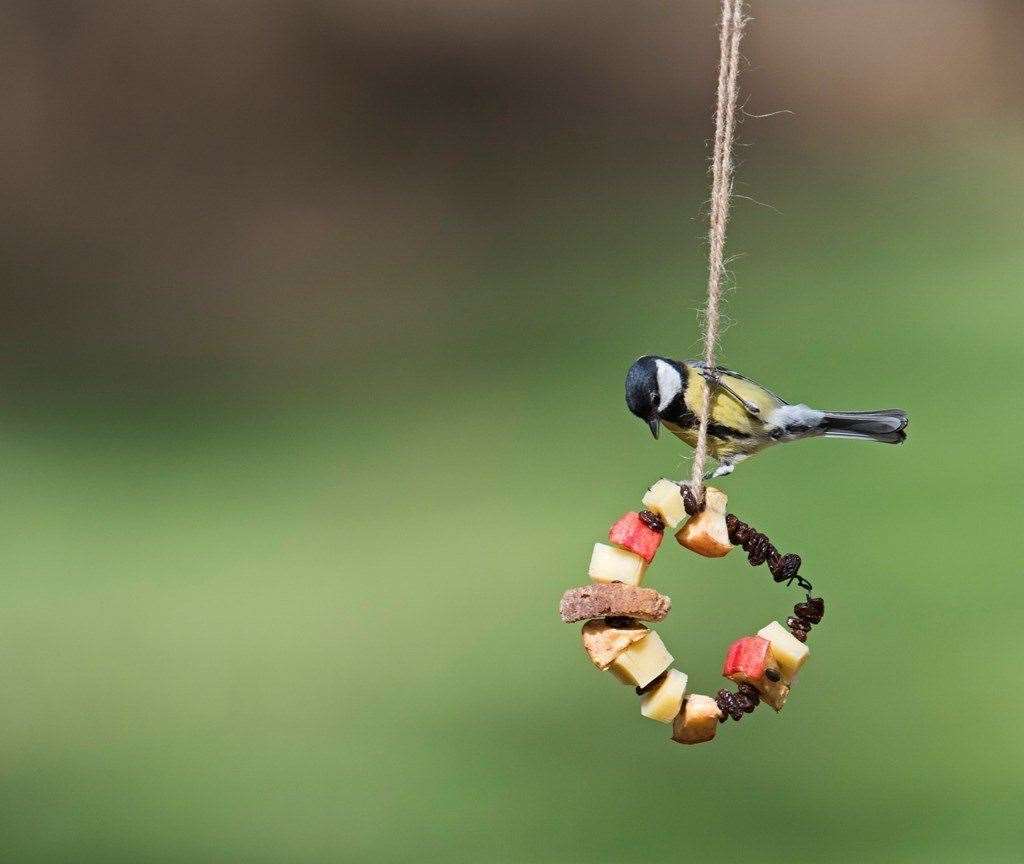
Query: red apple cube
750, 660
747, 659
632, 533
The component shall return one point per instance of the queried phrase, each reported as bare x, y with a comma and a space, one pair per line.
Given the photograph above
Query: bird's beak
653, 423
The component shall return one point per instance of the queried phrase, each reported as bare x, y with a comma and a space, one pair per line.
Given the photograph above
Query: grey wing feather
721, 370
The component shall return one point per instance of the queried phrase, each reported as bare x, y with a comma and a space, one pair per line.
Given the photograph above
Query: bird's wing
748, 388
727, 411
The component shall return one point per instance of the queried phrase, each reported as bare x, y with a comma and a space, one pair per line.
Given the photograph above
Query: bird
745, 417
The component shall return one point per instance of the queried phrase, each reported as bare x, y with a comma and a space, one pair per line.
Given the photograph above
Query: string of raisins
784, 568
735, 705
652, 521
806, 615
759, 549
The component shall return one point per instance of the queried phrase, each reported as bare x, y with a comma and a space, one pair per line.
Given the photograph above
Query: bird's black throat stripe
686, 419
679, 415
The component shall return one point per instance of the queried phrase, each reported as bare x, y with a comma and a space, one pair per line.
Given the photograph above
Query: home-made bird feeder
763, 666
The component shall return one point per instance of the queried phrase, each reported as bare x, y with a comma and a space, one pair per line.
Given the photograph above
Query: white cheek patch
670, 383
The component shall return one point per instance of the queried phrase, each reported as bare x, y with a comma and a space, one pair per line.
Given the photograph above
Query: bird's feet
722, 470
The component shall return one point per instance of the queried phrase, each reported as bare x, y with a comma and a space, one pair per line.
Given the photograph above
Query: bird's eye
654, 395
772, 675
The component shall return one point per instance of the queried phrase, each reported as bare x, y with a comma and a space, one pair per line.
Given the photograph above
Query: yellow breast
727, 411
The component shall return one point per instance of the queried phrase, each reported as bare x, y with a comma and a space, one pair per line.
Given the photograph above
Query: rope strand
721, 191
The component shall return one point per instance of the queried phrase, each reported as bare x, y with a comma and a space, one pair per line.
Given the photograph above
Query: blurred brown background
257, 183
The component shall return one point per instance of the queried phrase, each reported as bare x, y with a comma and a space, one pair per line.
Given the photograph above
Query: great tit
745, 417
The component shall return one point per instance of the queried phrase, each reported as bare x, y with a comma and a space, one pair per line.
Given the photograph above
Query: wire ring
763, 666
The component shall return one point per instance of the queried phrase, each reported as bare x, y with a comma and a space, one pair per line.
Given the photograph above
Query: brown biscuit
604, 599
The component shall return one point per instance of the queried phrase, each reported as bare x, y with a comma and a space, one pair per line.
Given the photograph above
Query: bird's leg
721, 471
713, 380
726, 465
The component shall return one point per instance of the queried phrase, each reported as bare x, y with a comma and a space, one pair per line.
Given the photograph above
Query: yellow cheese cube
604, 642
664, 499
642, 662
664, 701
611, 564
790, 653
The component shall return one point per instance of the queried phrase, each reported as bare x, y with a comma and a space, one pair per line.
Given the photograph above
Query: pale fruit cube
642, 661
603, 642
665, 499
664, 702
706, 533
611, 564
774, 694
790, 653
697, 722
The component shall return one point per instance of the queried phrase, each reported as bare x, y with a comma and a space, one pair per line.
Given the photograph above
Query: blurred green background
314, 323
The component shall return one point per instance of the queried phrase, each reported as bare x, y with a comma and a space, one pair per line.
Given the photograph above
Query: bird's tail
885, 426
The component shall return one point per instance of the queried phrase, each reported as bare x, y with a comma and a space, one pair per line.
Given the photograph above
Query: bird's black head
644, 382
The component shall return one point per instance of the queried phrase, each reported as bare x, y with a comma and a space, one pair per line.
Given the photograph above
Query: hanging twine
733, 22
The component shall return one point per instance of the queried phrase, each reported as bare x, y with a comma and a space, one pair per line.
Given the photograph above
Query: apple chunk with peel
603, 642
611, 564
789, 652
748, 656
665, 701
632, 533
706, 533
750, 661
642, 661
665, 499
697, 722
